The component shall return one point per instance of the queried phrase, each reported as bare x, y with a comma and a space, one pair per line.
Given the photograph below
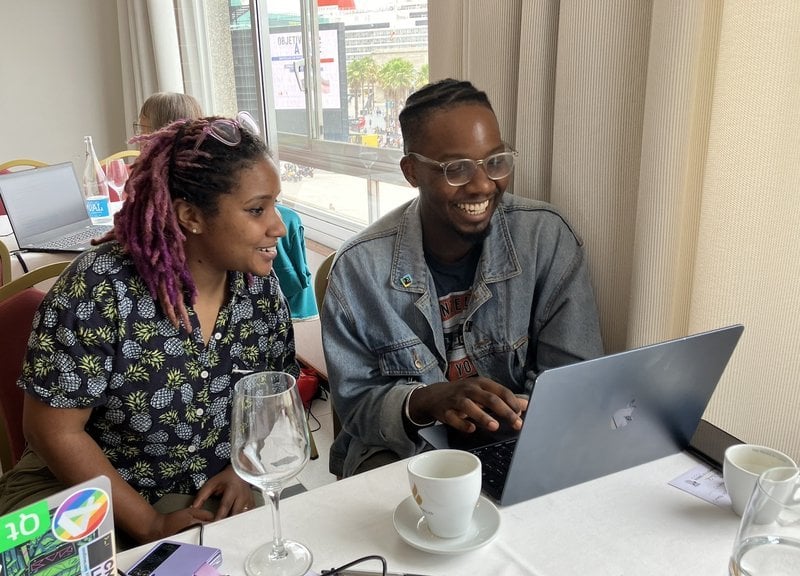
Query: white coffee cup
741, 467
446, 485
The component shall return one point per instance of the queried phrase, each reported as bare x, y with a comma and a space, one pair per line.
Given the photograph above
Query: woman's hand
235, 494
164, 525
59, 437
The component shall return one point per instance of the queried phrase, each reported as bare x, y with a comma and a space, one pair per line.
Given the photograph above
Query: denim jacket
532, 308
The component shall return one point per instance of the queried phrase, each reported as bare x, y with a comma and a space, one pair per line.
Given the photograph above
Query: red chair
16, 315
19, 300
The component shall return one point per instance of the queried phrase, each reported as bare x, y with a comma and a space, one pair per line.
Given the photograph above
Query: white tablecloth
629, 523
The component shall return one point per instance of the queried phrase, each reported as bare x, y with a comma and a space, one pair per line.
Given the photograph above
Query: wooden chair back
5, 264
127, 155
321, 279
31, 279
20, 163
320, 285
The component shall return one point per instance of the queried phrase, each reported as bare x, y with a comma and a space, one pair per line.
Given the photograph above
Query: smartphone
170, 558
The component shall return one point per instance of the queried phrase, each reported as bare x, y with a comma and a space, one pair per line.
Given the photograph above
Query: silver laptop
70, 533
600, 416
47, 211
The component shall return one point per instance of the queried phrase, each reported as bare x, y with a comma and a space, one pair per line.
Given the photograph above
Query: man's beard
475, 237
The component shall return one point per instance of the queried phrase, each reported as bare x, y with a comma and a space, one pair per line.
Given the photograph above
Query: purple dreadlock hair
179, 161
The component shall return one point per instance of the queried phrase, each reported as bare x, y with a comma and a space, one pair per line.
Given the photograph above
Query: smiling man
448, 307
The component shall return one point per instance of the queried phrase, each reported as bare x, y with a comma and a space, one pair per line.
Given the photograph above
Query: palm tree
360, 73
423, 76
396, 78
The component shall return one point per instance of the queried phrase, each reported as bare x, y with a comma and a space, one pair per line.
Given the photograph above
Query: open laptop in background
47, 211
600, 416
71, 533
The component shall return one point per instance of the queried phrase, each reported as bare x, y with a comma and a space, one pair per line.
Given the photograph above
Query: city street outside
344, 195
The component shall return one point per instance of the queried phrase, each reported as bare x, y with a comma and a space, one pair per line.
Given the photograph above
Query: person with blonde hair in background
164, 108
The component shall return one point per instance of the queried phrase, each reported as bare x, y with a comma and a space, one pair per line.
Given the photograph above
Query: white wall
60, 79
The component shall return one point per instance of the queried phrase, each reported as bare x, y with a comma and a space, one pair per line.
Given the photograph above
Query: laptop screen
42, 199
70, 534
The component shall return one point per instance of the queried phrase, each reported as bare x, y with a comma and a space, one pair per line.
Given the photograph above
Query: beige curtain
151, 60
207, 54
177, 46
668, 131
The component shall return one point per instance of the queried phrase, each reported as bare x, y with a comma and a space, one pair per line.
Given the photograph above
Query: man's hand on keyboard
468, 404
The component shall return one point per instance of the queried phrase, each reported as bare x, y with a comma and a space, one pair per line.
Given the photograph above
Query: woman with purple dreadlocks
134, 351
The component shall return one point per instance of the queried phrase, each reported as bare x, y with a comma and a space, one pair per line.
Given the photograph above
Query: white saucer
413, 529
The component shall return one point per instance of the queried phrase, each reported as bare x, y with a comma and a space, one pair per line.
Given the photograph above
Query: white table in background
626, 524
32, 259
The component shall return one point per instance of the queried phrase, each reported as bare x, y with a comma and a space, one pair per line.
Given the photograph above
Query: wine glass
116, 176
270, 445
768, 542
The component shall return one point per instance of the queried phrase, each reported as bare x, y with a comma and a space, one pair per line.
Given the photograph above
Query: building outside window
328, 78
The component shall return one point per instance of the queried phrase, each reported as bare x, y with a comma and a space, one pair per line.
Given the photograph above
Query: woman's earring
194, 230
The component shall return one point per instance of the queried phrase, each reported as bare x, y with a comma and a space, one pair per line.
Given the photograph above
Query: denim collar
409, 272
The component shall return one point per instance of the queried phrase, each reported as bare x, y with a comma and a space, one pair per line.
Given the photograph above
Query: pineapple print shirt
160, 397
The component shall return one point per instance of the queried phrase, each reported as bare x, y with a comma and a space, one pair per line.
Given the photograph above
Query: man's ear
189, 217
409, 168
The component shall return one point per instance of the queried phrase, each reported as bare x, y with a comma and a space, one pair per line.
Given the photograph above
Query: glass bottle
95, 187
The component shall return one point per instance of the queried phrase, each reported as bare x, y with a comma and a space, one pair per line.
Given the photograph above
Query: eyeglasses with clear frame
461, 172
139, 129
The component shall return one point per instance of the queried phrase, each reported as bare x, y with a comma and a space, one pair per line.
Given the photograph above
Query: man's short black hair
436, 96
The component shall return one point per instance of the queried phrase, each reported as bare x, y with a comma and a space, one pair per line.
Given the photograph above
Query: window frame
311, 149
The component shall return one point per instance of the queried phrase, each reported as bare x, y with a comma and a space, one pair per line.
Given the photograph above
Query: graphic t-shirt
454, 290
453, 308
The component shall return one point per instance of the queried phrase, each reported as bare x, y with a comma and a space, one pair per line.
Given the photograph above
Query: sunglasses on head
228, 130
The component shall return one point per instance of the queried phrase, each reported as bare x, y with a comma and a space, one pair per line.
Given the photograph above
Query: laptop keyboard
495, 462
80, 237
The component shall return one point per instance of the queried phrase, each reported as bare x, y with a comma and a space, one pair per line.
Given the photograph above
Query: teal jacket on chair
291, 267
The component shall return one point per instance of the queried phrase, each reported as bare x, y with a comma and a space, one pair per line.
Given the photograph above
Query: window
328, 77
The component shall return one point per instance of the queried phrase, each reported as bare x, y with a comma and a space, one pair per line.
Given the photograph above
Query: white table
35, 260
32, 259
629, 523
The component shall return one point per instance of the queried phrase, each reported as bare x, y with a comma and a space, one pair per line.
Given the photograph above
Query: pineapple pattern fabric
160, 396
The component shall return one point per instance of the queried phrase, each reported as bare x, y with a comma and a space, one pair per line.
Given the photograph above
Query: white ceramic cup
446, 485
741, 467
